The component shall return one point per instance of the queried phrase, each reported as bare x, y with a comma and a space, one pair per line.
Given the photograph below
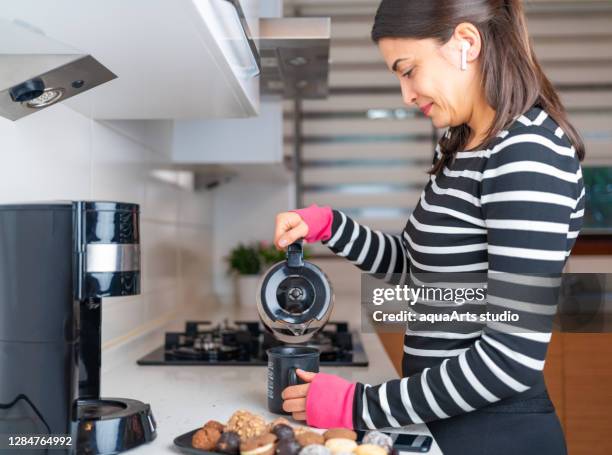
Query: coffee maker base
108, 426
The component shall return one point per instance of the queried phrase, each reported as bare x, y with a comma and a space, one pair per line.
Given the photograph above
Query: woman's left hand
294, 397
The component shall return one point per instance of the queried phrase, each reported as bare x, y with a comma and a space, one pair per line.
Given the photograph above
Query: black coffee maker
57, 260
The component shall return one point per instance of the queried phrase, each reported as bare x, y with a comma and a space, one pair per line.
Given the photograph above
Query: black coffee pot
295, 297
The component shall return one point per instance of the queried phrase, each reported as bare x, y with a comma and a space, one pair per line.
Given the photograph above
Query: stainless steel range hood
295, 56
37, 72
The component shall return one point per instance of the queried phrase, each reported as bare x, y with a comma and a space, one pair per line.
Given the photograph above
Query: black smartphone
406, 442
411, 442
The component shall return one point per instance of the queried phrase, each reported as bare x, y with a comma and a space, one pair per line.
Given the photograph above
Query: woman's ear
467, 32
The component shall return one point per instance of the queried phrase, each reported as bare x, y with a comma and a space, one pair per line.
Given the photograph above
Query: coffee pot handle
295, 254
293, 377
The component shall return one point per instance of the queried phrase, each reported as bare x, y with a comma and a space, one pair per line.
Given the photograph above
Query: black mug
283, 361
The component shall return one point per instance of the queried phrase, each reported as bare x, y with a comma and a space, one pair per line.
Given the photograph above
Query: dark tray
183, 442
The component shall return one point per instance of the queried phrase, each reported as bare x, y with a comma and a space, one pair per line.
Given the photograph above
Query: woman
505, 195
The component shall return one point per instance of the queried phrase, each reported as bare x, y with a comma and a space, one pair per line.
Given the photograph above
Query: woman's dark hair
513, 80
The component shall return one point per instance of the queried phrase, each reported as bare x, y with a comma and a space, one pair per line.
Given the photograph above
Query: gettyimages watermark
465, 303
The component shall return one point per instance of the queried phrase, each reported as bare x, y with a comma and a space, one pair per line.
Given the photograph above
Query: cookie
229, 443
315, 449
379, 439
370, 449
216, 425
283, 431
246, 424
259, 441
261, 445
299, 430
343, 433
288, 447
268, 449
310, 437
278, 421
337, 445
205, 438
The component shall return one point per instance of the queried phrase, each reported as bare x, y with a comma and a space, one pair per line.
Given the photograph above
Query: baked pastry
370, 449
283, 431
261, 445
307, 438
299, 430
278, 421
379, 439
205, 438
339, 445
344, 433
315, 449
216, 425
246, 424
229, 443
288, 447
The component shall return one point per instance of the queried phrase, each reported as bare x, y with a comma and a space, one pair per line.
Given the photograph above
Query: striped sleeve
375, 252
531, 194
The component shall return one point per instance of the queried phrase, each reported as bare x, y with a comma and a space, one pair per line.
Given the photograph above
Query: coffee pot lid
295, 297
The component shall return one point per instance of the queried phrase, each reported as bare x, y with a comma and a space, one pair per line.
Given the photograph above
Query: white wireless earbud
465, 46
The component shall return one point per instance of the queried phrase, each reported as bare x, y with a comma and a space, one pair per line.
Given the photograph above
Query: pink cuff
319, 222
329, 403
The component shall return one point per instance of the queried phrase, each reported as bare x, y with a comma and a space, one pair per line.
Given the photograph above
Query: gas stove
245, 342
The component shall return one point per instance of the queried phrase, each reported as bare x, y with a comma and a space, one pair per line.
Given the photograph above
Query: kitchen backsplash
60, 154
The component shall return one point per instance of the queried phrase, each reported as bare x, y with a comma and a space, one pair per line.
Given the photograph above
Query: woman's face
430, 77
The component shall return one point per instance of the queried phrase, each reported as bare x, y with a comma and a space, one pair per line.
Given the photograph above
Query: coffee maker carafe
57, 261
295, 297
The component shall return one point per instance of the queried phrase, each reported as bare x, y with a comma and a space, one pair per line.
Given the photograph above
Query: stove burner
208, 351
246, 342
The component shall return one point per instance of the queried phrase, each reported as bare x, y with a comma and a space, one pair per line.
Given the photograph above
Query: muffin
370, 449
229, 443
278, 421
283, 431
260, 445
315, 449
299, 430
288, 447
216, 425
340, 445
205, 438
307, 438
342, 433
379, 439
246, 424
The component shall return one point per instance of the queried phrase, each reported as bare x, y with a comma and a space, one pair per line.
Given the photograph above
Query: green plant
252, 258
244, 259
269, 254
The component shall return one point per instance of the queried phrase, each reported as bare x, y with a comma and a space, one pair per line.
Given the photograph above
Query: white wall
59, 154
244, 212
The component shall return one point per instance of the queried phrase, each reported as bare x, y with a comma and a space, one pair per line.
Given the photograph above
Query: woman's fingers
289, 227
306, 376
295, 391
299, 415
298, 232
295, 405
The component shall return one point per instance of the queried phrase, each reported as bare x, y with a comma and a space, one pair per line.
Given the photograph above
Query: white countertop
183, 398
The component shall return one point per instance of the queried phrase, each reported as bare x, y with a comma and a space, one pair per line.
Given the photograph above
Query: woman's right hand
289, 227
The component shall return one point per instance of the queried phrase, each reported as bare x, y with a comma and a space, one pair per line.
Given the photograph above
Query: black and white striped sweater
515, 207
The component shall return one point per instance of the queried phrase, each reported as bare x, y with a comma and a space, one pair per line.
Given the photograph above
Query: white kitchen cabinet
253, 140
174, 59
